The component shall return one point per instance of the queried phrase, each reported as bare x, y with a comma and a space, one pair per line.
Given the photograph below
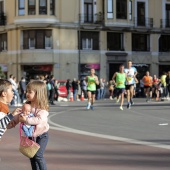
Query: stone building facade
68, 37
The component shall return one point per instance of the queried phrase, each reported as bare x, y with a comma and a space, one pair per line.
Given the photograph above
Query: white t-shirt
130, 75
2, 115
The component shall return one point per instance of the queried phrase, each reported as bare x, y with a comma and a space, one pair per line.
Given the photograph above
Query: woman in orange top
147, 79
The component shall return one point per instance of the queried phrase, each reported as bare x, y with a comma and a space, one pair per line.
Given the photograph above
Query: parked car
62, 88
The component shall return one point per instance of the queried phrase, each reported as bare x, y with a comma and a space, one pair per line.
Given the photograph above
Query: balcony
165, 23
2, 19
91, 18
143, 22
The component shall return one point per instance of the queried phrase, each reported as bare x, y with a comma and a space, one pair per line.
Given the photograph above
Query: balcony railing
2, 18
165, 23
91, 18
143, 22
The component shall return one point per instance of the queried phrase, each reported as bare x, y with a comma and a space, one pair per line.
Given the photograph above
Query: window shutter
26, 39
40, 39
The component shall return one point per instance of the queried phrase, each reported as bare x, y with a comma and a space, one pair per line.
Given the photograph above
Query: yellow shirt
163, 80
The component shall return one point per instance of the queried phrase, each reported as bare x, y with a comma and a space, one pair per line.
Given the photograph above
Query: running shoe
121, 108
111, 98
117, 101
131, 102
88, 106
92, 107
128, 105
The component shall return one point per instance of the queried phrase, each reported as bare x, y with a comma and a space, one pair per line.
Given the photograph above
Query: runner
120, 85
130, 80
148, 80
91, 80
154, 88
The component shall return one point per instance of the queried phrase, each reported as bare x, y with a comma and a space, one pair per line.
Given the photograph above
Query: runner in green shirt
91, 80
120, 78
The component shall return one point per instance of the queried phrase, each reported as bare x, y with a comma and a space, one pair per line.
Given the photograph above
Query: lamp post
79, 52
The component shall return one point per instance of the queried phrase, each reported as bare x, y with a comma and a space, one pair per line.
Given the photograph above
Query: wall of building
65, 55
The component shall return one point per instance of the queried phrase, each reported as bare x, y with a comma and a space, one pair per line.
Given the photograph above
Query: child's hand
16, 111
22, 118
11, 124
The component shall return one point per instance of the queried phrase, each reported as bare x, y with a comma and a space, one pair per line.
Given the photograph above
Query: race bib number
129, 78
91, 83
120, 82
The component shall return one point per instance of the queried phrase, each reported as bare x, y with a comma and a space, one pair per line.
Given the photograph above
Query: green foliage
2, 75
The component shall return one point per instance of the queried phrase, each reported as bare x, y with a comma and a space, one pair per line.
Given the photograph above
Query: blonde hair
40, 89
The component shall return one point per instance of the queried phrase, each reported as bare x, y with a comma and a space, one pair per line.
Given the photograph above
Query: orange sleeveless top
147, 81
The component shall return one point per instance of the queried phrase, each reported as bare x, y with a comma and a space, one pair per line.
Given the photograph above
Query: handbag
27, 146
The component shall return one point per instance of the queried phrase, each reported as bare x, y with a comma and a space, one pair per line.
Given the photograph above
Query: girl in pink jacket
36, 95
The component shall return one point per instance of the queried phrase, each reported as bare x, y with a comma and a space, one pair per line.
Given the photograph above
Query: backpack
49, 86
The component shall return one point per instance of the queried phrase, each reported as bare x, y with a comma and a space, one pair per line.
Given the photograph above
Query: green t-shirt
120, 80
91, 83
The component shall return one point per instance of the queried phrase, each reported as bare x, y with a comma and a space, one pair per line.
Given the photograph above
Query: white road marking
115, 138
163, 124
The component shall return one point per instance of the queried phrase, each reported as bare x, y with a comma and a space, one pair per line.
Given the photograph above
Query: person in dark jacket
168, 83
22, 85
52, 90
68, 87
75, 89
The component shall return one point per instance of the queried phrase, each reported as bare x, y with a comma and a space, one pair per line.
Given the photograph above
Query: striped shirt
4, 122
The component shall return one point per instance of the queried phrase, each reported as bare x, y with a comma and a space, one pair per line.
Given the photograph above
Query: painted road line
115, 138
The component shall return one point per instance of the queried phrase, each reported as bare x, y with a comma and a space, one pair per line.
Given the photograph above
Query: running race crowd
152, 88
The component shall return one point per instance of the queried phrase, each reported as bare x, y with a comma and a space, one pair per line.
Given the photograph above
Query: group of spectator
19, 89
80, 86
160, 88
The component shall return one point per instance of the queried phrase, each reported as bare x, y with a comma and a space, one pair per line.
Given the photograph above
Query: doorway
113, 67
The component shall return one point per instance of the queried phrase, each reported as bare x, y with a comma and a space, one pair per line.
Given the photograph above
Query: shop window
89, 40
31, 7
42, 7
121, 9
3, 42
140, 42
37, 39
115, 41
21, 7
52, 7
164, 43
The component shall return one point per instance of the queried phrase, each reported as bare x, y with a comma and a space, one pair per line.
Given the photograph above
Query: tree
2, 75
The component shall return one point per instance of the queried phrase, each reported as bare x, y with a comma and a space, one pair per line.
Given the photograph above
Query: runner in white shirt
130, 81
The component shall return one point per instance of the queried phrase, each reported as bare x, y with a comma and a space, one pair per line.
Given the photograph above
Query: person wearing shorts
148, 80
120, 78
131, 73
91, 80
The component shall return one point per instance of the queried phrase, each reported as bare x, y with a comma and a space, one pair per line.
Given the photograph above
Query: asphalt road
104, 139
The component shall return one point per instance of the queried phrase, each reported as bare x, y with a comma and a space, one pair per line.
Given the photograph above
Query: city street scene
84, 84
105, 138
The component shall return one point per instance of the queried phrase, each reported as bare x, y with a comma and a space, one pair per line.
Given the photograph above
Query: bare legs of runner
91, 100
